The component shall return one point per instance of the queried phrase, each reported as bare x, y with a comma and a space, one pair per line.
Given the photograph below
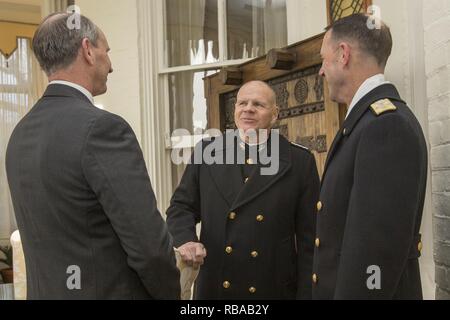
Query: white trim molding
154, 107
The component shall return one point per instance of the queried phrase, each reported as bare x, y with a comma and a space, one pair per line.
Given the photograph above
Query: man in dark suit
373, 188
257, 227
83, 200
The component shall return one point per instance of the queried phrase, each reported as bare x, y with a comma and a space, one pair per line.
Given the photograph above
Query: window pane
187, 100
191, 32
187, 108
255, 26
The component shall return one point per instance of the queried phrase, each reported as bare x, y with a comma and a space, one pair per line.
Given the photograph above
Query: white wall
305, 18
20, 11
436, 15
406, 69
117, 19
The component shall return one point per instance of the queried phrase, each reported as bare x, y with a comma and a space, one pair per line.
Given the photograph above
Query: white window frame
223, 45
164, 71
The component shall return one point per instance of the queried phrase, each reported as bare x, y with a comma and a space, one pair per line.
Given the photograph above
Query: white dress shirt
365, 88
75, 86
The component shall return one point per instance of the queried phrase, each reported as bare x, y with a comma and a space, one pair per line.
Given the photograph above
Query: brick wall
437, 61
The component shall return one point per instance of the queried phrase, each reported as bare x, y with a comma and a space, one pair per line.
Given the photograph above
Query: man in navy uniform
373, 188
257, 236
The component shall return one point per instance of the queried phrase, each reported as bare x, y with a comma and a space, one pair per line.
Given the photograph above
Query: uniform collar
228, 178
367, 86
386, 91
260, 146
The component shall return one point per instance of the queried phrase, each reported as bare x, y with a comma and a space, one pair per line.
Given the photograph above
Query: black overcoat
371, 204
258, 233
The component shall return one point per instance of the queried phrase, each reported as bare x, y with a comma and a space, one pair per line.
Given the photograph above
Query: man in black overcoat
257, 216
373, 189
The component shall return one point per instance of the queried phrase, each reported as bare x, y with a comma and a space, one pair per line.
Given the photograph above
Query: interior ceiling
24, 2
22, 11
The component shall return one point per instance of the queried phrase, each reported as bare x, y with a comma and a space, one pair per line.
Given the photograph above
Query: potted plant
7, 274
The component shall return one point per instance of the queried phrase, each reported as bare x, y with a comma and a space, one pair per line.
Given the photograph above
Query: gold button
227, 285
246, 180
345, 131
319, 206
229, 250
252, 290
420, 246
250, 161
260, 218
254, 254
232, 216
315, 278
317, 243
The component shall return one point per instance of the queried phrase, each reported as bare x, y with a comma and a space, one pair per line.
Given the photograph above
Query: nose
249, 107
111, 70
322, 72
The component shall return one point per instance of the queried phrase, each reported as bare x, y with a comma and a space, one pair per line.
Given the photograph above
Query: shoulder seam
300, 146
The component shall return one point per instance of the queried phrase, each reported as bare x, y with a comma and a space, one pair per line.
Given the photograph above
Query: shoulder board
299, 146
382, 106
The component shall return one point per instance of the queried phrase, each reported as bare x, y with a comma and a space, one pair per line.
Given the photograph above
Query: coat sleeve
114, 167
183, 214
383, 209
306, 229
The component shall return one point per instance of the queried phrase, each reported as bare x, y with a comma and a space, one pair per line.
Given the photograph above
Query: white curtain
186, 44
275, 17
21, 85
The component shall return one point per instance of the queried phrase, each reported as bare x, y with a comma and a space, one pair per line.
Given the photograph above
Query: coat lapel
228, 180
382, 92
258, 183
227, 177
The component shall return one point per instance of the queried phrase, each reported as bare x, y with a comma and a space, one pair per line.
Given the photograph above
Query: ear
344, 53
276, 113
86, 48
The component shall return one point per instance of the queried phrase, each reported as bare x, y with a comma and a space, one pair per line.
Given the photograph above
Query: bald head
264, 87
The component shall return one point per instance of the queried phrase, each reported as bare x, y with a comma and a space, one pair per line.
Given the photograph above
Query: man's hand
193, 254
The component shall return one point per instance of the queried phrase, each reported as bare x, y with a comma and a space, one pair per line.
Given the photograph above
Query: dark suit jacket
82, 197
270, 215
372, 199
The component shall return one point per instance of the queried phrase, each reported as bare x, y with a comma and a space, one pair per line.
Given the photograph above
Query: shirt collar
261, 146
367, 86
75, 86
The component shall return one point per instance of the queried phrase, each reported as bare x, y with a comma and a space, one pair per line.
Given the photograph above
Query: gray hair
56, 46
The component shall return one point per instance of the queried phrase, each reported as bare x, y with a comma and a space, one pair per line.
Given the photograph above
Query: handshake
190, 257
